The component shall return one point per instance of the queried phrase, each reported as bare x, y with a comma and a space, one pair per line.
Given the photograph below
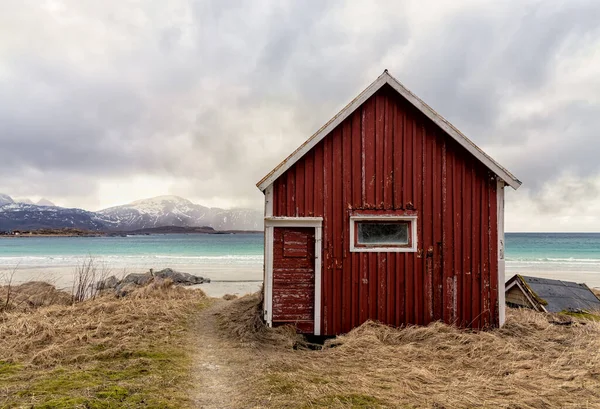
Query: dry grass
241, 320
31, 295
133, 352
100, 353
534, 361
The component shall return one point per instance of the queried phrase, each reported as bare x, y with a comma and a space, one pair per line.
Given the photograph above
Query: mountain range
141, 214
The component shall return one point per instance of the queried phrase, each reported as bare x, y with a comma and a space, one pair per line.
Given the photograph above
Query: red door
294, 277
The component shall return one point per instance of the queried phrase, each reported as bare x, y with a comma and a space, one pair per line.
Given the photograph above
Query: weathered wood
293, 275
389, 159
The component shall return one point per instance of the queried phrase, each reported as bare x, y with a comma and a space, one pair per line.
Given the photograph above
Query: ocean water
239, 257
568, 256
220, 257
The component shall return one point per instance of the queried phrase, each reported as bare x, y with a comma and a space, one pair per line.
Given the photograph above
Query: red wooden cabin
387, 213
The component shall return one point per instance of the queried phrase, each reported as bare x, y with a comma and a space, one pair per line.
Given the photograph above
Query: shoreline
225, 279
228, 279
14, 234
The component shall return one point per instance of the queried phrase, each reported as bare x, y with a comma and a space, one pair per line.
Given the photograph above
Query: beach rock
124, 289
108, 283
138, 279
180, 278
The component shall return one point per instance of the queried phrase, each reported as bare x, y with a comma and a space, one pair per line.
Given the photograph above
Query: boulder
108, 283
180, 278
124, 289
138, 279
132, 281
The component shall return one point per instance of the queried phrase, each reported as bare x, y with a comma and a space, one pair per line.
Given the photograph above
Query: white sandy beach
226, 279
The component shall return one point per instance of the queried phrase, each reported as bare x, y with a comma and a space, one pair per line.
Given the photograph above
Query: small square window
385, 233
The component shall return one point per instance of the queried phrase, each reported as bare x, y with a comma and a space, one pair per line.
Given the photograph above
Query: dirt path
219, 364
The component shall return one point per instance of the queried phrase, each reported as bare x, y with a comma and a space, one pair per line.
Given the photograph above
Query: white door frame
270, 224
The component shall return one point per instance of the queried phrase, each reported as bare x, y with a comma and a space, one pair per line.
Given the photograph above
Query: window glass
371, 232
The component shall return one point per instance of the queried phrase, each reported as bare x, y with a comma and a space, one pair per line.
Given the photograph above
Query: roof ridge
383, 79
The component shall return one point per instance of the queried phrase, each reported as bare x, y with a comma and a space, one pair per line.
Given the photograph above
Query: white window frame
412, 221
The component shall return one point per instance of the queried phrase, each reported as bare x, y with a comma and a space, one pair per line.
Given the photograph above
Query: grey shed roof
557, 295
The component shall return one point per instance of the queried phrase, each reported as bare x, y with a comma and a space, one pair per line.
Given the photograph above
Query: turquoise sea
574, 256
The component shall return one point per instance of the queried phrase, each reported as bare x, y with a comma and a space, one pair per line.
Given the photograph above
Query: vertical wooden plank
319, 182
392, 295
373, 285
328, 234
357, 201
275, 198
282, 196
398, 152
364, 286
485, 242
356, 285
428, 229
467, 228
319, 212
343, 210
447, 235
369, 153
437, 208
419, 174
299, 188
382, 287
410, 172
458, 234
400, 288
291, 191
476, 248
337, 212
357, 154
379, 149
309, 208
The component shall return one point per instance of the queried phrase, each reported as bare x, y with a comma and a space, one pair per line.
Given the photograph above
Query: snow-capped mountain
154, 212
45, 202
22, 216
23, 200
177, 211
5, 199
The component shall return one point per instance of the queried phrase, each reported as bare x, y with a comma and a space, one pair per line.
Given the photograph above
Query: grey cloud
215, 93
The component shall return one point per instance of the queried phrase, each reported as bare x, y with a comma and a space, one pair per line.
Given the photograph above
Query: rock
138, 279
124, 289
132, 281
180, 278
108, 283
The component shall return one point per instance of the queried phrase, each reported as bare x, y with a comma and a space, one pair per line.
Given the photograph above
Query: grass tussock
532, 362
100, 353
31, 295
242, 320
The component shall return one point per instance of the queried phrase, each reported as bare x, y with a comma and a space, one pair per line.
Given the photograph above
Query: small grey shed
546, 295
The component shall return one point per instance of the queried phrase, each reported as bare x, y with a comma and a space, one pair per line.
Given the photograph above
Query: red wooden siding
388, 156
294, 277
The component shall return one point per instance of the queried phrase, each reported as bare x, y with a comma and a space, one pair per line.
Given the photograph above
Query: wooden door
294, 277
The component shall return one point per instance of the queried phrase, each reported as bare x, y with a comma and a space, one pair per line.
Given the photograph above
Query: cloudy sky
102, 103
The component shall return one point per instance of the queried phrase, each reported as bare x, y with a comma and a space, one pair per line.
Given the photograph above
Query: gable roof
555, 295
382, 80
